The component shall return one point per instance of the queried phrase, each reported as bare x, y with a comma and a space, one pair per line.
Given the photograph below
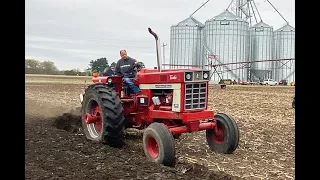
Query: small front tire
158, 144
226, 139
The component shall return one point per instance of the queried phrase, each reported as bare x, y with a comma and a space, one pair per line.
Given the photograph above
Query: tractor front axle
192, 127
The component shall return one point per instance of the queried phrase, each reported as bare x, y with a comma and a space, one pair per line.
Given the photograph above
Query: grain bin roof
190, 21
226, 15
261, 24
286, 27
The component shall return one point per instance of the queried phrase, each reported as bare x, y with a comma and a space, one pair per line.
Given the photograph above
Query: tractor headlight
188, 76
109, 81
205, 75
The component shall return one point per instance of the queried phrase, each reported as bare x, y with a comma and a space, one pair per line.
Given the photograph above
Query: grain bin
186, 44
284, 48
226, 36
261, 39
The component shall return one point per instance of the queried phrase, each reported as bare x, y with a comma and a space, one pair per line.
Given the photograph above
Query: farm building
232, 47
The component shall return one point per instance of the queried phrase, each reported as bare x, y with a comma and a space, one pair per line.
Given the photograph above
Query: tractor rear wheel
226, 139
294, 102
158, 144
108, 124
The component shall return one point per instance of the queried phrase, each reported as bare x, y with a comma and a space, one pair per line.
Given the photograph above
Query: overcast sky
72, 32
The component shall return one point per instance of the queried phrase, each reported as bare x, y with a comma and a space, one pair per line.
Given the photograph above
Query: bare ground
266, 148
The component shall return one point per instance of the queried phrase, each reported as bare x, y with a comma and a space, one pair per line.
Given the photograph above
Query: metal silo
261, 38
226, 38
186, 44
284, 49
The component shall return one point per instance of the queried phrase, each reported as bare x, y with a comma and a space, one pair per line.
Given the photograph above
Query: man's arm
135, 65
118, 70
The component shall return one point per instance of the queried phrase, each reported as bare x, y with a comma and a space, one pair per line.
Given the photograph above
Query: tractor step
127, 100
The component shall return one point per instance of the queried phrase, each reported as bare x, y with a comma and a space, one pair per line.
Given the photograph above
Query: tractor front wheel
224, 138
158, 144
102, 117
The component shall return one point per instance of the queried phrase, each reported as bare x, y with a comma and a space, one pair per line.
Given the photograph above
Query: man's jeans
133, 87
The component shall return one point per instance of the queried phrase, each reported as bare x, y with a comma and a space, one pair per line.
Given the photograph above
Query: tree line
33, 66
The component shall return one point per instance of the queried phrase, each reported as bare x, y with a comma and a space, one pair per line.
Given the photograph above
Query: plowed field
264, 115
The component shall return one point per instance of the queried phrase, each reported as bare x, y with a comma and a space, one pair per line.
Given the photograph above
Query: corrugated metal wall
227, 37
284, 48
186, 44
261, 39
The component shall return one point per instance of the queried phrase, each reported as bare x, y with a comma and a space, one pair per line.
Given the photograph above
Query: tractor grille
196, 95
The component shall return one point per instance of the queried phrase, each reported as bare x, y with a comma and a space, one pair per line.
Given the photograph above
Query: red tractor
172, 102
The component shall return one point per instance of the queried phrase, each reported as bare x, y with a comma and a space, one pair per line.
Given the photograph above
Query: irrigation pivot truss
219, 68
215, 66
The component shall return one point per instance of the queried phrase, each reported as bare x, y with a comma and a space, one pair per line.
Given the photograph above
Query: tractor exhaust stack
157, 46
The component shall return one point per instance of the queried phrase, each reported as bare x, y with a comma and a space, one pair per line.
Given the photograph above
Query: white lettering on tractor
172, 77
163, 86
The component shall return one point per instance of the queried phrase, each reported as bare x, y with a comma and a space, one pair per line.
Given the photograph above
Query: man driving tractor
125, 69
165, 109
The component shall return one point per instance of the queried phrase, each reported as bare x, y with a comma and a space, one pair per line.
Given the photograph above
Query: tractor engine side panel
176, 87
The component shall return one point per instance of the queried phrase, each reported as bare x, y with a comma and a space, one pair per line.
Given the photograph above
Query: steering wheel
138, 66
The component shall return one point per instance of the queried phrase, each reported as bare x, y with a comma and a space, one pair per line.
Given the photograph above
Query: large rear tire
227, 138
104, 102
294, 102
158, 144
